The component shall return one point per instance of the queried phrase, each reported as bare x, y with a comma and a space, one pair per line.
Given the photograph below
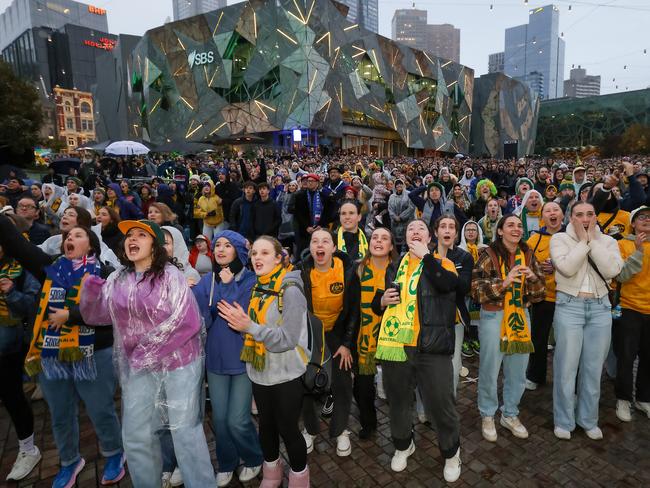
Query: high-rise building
580, 84
536, 47
363, 12
409, 26
495, 62
189, 8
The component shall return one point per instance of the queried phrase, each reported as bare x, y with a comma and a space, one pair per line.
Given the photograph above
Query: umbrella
126, 148
62, 166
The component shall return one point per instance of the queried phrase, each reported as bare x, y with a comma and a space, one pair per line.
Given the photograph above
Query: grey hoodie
280, 335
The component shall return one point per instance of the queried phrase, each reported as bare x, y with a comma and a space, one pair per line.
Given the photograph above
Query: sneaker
594, 434
467, 350
343, 446
623, 411
247, 474
488, 429
562, 434
177, 477
224, 479
24, 464
476, 346
38, 393
328, 406
114, 469
515, 426
531, 385
166, 480
400, 458
644, 407
452, 468
309, 440
67, 476
366, 433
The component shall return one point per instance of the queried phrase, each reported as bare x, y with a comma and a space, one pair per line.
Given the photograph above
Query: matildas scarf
398, 324
515, 336
372, 279
10, 269
473, 250
363, 243
67, 352
266, 290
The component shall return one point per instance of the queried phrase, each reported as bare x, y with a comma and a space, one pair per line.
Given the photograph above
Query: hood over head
237, 240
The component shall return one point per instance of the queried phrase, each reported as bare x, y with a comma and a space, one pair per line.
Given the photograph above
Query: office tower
495, 62
580, 84
189, 8
409, 26
535, 49
363, 12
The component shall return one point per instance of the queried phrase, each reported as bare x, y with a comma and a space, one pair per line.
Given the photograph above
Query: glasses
643, 217
26, 207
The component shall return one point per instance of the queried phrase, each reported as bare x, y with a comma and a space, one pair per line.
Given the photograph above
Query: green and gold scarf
372, 279
515, 335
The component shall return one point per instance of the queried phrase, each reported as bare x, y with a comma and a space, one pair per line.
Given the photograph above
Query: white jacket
569, 256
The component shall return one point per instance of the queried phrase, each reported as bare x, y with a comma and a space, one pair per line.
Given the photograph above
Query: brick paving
621, 460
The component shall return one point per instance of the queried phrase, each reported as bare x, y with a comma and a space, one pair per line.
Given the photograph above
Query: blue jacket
224, 344
22, 301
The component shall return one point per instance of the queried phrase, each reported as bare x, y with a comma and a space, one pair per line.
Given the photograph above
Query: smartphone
397, 287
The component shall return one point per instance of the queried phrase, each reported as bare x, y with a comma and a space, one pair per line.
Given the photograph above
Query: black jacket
436, 300
464, 266
346, 327
266, 218
38, 233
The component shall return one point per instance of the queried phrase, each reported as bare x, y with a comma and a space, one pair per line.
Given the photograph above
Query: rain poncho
53, 207
84, 202
182, 254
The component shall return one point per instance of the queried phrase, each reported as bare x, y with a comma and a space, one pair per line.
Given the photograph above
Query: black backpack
318, 358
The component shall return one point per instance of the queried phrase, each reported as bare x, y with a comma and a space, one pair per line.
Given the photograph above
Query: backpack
317, 357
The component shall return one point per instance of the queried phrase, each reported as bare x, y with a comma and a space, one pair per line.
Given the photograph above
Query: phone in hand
397, 287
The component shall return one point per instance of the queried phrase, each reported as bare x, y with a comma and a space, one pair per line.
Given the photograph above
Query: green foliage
636, 140
21, 113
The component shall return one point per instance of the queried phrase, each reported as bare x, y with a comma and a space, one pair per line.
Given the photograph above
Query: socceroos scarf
363, 243
264, 293
10, 269
372, 279
315, 207
397, 324
67, 352
515, 336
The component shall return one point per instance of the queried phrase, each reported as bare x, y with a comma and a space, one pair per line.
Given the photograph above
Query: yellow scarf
372, 280
515, 335
398, 322
473, 250
254, 352
12, 270
363, 243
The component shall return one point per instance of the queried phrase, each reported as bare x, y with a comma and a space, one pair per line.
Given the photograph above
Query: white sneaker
24, 464
224, 479
594, 434
514, 425
623, 411
309, 440
343, 446
452, 468
488, 429
400, 458
166, 480
531, 385
37, 394
644, 407
176, 478
247, 474
561, 433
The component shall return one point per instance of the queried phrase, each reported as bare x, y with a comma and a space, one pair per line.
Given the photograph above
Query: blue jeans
176, 395
514, 369
11, 339
583, 330
236, 437
62, 397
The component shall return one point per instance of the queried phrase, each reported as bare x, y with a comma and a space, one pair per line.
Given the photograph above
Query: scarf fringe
368, 368
395, 353
516, 347
33, 367
70, 354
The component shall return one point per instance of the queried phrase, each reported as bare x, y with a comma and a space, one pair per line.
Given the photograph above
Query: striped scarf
372, 279
515, 334
363, 243
10, 269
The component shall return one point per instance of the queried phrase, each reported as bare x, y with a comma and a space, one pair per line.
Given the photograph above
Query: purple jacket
157, 325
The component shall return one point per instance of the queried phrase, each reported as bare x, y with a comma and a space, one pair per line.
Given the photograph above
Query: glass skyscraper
534, 52
363, 12
188, 8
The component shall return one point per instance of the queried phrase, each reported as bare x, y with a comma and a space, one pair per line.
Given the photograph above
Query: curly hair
159, 261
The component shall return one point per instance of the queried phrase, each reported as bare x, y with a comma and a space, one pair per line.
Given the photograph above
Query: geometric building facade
270, 66
504, 115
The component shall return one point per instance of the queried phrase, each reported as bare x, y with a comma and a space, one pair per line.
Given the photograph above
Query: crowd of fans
160, 274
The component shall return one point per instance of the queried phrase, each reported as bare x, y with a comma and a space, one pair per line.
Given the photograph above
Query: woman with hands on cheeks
273, 337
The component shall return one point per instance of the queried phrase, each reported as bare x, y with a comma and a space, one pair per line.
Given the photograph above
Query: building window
68, 107
84, 107
69, 123
71, 142
86, 125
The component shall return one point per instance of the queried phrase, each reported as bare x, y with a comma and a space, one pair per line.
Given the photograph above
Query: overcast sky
607, 37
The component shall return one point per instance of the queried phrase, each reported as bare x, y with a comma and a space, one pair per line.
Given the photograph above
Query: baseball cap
147, 225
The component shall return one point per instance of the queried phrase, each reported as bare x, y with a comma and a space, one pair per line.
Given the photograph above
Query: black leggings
279, 411
12, 395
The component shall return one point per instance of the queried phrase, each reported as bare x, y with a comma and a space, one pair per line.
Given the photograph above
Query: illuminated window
84, 107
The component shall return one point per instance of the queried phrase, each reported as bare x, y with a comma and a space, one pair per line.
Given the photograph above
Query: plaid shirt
487, 285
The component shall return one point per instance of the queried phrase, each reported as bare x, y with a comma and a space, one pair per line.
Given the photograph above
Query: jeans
181, 388
62, 397
583, 329
632, 339
514, 369
169, 463
542, 321
210, 231
11, 339
236, 437
457, 358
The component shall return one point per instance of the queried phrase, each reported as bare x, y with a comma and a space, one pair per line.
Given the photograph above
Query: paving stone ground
622, 459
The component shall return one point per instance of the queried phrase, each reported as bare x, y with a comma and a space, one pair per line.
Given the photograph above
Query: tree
21, 117
636, 139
